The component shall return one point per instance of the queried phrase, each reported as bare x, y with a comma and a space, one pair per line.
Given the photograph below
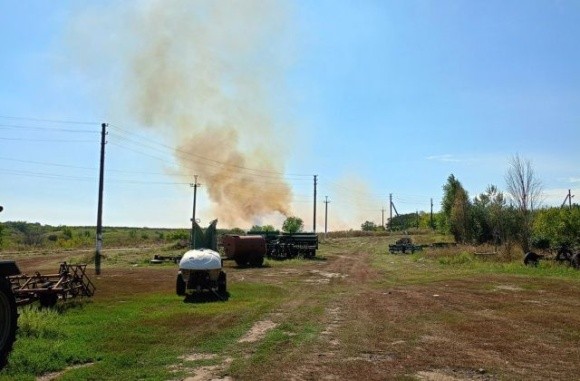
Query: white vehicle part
200, 259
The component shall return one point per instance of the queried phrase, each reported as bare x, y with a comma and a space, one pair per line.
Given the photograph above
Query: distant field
355, 312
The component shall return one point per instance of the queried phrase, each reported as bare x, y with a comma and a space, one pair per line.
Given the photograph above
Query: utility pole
569, 199
194, 186
326, 215
314, 219
431, 218
383, 217
391, 211
100, 202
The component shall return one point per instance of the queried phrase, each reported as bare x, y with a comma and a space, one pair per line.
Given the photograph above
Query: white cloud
447, 158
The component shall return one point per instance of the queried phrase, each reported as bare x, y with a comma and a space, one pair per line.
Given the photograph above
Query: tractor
8, 311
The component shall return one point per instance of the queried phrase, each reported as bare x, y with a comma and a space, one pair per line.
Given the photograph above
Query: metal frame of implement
70, 282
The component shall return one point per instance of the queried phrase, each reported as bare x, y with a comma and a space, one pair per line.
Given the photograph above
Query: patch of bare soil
453, 375
258, 331
205, 373
56, 375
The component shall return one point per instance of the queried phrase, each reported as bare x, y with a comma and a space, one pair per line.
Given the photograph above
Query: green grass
138, 338
421, 267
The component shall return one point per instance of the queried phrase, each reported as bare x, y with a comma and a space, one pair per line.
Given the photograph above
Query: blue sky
374, 97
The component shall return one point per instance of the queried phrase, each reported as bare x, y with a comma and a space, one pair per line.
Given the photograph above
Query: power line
44, 128
48, 140
45, 163
49, 120
44, 175
209, 165
208, 160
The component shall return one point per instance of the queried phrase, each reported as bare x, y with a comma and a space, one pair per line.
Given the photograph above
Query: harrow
70, 282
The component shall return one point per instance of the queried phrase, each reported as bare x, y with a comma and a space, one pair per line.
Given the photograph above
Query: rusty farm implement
70, 282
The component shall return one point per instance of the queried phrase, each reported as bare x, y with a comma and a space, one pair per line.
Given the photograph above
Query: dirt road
476, 327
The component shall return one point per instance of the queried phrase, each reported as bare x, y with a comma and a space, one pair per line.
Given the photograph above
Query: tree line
495, 217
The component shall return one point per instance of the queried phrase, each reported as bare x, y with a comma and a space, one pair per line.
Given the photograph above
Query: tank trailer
200, 269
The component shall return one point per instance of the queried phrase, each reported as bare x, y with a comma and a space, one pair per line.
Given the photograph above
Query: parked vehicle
8, 310
201, 270
288, 245
247, 250
404, 245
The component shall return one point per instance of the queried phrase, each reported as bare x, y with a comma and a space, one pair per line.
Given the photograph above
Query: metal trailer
245, 250
292, 245
404, 245
70, 282
163, 258
288, 245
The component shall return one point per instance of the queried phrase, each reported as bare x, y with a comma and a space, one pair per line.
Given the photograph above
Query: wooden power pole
326, 202
100, 202
194, 186
314, 219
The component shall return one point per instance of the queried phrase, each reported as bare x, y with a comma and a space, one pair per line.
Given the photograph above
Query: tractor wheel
8, 320
575, 261
257, 260
179, 285
564, 255
531, 259
241, 260
48, 300
222, 283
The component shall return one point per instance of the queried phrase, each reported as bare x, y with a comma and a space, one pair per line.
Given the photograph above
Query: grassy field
355, 312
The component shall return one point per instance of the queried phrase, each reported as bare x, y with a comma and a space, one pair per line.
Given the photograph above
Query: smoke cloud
208, 75
354, 203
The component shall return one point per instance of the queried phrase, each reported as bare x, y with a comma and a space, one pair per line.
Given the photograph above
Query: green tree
404, 221
455, 213
559, 226
459, 220
293, 225
368, 226
488, 216
449, 190
264, 228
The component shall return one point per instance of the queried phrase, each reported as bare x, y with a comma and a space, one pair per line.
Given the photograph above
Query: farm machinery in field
291, 245
8, 310
564, 254
404, 245
17, 289
288, 245
201, 268
251, 249
245, 250
69, 282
